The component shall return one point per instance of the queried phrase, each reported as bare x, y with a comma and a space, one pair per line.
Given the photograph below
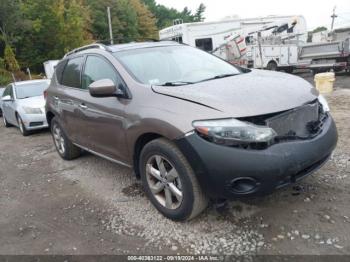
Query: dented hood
255, 93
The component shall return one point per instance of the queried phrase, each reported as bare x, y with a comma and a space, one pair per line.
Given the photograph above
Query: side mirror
104, 88
6, 98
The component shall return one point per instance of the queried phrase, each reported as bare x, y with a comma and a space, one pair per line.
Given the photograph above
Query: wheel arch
49, 117
272, 61
16, 115
141, 141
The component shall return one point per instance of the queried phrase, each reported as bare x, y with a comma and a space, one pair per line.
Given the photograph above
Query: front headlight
324, 103
31, 110
233, 131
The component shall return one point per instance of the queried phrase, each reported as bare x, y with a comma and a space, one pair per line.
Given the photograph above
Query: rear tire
65, 148
22, 127
272, 66
177, 177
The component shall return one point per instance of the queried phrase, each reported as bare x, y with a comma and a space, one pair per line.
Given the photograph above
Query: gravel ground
92, 206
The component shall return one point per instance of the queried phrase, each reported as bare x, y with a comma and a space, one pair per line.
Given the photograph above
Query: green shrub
10, 59
5, 77
2, 63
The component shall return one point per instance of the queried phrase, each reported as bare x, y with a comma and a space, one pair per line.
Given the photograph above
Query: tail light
45, 94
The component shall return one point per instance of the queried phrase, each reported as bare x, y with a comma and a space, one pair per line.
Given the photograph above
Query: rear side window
59, 70
97, 68
71, 73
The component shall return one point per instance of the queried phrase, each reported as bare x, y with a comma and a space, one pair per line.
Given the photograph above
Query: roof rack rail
96, 45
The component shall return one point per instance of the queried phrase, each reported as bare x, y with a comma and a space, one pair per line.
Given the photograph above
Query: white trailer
260, 48
49, 67
210, 35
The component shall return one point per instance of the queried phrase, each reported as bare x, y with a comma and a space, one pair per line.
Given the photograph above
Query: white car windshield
174, 65
31, 89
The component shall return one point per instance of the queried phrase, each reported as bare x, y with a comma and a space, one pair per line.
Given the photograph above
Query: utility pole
110, 24
333, 16
30, 75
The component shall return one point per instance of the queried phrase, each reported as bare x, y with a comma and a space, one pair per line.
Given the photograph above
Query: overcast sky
316, 12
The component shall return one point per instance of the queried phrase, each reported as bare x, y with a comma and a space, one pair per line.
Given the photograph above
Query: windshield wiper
217, 77
177, 83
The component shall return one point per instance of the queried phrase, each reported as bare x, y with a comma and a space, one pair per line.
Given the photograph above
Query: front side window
205, 44
161, 65
71, 73
97, 68
31, 89
8, 91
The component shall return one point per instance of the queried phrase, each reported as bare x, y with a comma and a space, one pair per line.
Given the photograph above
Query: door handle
56, 98
83, 106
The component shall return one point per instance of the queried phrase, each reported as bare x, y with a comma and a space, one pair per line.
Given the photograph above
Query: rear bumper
228, 172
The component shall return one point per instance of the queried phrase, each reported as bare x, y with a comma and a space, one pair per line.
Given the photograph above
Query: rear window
71, 73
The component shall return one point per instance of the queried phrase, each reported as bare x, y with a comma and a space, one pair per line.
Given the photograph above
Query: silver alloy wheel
58, 139
164, 182
20, 124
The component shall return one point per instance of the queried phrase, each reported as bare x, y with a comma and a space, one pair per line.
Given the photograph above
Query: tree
123, 16
319, 29
145, 20
131, 20
55, 27
198, 17
11, 63
10, 20
165, 16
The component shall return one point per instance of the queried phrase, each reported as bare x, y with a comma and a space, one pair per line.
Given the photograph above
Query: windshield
174, 64
30, 90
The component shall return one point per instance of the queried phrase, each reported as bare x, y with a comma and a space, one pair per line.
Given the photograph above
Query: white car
2, 89
23, 105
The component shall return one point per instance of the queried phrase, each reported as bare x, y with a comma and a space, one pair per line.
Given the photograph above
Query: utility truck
322, 57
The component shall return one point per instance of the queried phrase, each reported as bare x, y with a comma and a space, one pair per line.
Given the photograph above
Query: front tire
170, 182
22, 127
65, 148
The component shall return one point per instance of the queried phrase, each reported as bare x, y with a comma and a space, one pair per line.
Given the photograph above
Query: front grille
303, 122
33, 124
300, 122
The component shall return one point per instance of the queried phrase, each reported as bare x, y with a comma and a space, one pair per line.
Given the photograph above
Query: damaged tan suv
192, 126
